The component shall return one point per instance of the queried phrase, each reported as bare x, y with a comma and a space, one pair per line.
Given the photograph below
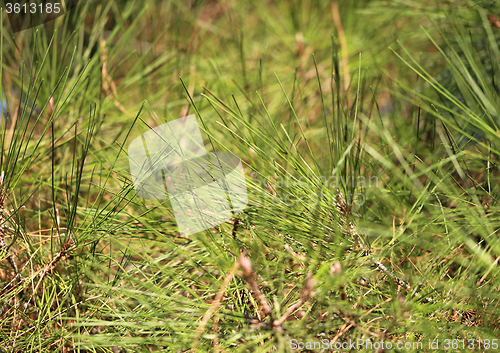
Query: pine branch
350, 229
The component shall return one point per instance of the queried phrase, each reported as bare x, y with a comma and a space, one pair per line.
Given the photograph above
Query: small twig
343, 44
248, 274
214, 306
341, 206
495, 22
352, 323
493, 265
64, 252
107, 83
388, 273
3, 245
235, 227
303, 298
375, 307
300, 258
53, 315
342, 330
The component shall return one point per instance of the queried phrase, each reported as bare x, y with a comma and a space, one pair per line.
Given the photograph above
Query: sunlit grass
410, 140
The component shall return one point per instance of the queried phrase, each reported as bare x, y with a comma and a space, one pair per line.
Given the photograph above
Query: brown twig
64, 252
493, 265
344, 211
236, 222
303, 298
343, 44
3, 246
214, 306
107, 83
495, 22
248, 274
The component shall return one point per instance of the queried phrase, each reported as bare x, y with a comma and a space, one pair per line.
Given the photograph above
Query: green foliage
410, 139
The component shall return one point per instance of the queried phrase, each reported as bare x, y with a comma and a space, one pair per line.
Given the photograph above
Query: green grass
414, 133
